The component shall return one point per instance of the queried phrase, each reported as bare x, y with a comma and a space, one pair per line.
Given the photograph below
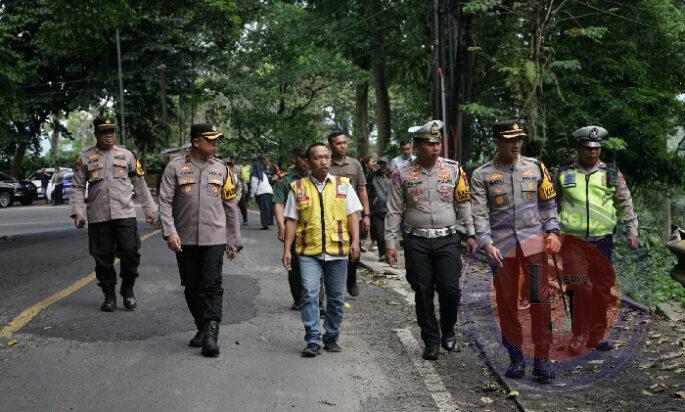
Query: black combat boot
210, 346
110, 303
196, 342
517, 365
126, 292
542, 371
449, 340
431, 351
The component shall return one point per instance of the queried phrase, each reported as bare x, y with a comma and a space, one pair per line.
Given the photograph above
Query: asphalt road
71, 356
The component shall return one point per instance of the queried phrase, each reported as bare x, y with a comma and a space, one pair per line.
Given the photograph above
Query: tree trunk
382, 104
54, 138
17, 159
361, 118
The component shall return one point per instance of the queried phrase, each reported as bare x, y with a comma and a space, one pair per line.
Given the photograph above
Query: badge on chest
569, 180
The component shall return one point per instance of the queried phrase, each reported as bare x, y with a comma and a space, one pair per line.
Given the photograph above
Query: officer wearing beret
590, 195
431, 195
109, 172
514, 214
200, 220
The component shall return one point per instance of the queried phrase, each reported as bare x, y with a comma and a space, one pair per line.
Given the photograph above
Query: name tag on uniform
342, 191
569, 180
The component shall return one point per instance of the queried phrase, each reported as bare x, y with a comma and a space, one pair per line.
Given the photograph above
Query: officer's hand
633, 242
231, 251
150, 218
354, 251
287, 259
552, 243
472, 246
494, 256
174, 243
391, 256
78, 218
366, 223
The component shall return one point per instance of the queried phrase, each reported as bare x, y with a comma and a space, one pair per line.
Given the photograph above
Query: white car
35, 179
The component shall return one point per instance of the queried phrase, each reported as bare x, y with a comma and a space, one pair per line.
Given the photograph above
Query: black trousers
506, 283
244, 200
434, 265
118, 237
200, 270
57, 195
378, 231
266, 209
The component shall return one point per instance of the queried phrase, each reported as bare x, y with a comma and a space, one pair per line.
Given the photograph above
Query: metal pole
162, 94
436, 58
444, 113
121, 93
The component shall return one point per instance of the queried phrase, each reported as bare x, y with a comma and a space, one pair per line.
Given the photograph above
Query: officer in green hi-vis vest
590, 195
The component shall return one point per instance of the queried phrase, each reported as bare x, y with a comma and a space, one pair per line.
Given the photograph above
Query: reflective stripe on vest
319, 232
587, 204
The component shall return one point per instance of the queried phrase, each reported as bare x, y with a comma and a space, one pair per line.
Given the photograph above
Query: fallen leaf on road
670, 367
486, 400
392, 302
679, 395
658, 388
647, 393
329, 403
12, 342
512, 394
679, 371
261, 338
347, 305
47, 327
647, 365
489, 386
661, 378
654, 335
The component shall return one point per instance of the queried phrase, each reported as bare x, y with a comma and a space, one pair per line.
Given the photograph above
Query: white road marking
442, 398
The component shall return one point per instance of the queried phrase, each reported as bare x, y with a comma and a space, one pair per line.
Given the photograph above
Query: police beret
429, 132
590, 136
206, 130
104, 123
507, 129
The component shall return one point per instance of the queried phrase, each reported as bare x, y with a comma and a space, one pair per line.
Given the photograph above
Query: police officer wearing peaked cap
200, 221
110, 171
590, 195
431, 195
514, 214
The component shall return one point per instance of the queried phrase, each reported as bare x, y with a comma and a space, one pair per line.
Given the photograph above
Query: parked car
35, 179
12, 189
68, 176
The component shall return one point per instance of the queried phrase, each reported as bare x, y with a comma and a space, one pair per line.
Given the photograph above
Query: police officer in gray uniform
109, 171
200, 219
514, 213
431, 195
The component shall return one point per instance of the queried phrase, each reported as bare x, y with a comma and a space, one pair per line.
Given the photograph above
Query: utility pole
162, 95
121, 93
436, 59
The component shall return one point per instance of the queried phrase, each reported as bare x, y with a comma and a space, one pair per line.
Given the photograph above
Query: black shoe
244, 222
517, 368
210, 345
126, 292
295, 306
311, 350
353, 290
110, 303
264, 228
431, 352
449, 341
542, 371
332, 346
197, 341
603, 346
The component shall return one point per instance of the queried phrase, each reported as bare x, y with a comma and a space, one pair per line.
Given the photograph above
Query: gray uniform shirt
192, 205
109, 176
513, 205
428, 199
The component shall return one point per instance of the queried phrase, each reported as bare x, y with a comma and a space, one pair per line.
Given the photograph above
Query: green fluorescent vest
587, 204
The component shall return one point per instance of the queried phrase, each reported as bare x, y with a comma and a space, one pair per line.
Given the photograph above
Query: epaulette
451, 162
569, 164
531, 159
483, 166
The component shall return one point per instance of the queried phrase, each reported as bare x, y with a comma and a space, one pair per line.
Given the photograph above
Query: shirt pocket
498, 200
415, 194
446, 191
214, 187
528, 189
94, 173
120, 168
187, 185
